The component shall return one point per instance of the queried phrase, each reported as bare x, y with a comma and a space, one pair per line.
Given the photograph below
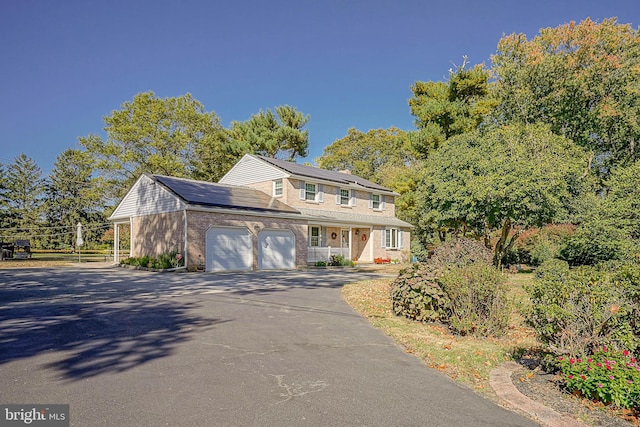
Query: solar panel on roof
210, 194
324, 174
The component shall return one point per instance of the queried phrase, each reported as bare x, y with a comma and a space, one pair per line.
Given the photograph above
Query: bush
612, 377
168, 260
339, 260
471, 300
460, 252
416, 294
535, 246
595, 243
478, 299
575, 311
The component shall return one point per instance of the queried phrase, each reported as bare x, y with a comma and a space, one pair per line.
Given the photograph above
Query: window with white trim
277, 187
376, 202
392, 238
314, 237
311, 192
345, 197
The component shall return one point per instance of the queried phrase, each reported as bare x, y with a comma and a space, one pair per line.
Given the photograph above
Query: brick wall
200, 222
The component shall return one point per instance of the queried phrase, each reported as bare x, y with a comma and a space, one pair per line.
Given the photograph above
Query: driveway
126, 347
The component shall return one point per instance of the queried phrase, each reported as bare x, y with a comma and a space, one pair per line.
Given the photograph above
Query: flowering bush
611, 377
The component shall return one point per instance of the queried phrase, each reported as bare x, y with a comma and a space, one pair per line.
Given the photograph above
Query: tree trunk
501, 245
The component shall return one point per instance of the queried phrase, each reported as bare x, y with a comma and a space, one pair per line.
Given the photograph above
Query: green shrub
612, 377
575, 311
416, 294
595, 243
321, 263
478, 299
461, 252
535, 246
339, 260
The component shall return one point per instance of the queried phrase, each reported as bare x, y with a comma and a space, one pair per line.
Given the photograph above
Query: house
263, 214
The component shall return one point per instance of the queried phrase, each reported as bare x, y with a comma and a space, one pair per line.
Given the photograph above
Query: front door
344, 240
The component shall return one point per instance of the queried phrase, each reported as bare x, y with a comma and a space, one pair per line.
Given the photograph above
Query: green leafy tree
73, 197
24, 195
277, 135
610, 229
581, 79
446, 109
503, 180
384, 156
152, 135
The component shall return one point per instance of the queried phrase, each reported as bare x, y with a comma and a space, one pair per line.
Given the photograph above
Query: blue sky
64, 65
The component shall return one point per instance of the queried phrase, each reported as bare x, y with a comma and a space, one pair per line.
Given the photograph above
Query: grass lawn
465, 359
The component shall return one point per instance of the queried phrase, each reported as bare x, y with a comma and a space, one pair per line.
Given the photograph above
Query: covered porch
351, 242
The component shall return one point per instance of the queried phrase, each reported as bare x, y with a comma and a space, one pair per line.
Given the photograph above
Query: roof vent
347, 171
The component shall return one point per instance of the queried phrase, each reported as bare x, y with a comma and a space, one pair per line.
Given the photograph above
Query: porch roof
323, 216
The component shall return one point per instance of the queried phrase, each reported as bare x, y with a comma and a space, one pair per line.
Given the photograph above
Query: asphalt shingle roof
323, 174
218, 195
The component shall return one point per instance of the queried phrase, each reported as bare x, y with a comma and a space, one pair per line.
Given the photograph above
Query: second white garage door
229, 248
276, 249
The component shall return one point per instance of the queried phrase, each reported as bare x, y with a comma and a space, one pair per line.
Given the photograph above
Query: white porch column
350, 243
116, 243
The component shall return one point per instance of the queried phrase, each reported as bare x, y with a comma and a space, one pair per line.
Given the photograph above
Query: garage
229, 248
276, 249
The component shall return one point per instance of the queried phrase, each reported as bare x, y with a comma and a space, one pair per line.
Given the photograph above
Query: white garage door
229, 249
276, 249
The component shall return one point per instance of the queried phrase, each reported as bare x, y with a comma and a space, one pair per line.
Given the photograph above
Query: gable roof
321, 174
209, 194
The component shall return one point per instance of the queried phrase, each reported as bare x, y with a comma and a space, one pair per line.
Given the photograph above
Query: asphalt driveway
125, 347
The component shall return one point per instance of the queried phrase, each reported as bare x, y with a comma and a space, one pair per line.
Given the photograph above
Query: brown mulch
546, 389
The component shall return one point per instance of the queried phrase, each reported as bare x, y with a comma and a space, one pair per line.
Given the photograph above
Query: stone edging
500, 380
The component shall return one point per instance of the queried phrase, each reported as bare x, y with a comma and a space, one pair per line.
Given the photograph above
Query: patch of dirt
546, 389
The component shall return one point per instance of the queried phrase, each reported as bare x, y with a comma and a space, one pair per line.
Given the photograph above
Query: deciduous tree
581, 79
503, 180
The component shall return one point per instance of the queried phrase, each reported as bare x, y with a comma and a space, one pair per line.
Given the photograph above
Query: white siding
250, 170
147, 197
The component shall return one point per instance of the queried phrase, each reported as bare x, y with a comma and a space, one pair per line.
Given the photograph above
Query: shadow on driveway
106, 323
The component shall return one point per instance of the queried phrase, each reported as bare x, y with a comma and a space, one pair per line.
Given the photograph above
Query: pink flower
600, 385
560, 358
599, 364
625, 352
570, 376
571, 361
604, 349
579, 360
608, 368
629, 381
588, 368
583, 377
589, 360
610, 377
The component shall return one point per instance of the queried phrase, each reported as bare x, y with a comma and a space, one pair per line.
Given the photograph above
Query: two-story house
264, 214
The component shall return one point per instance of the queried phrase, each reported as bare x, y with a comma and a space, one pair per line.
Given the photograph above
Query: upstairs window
344, 197
310, 191
277, 187
376, 202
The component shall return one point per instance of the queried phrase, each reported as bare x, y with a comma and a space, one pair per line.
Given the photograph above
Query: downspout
185, 239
